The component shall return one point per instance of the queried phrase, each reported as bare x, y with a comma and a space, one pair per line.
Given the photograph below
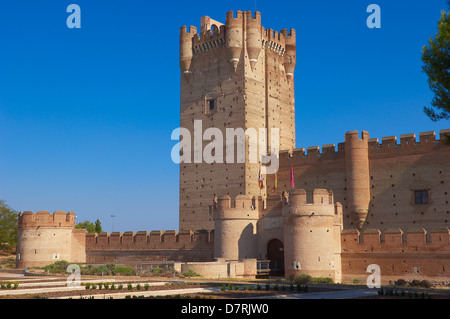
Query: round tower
235, 228
186, 53
44, 238
357, 176
312, 235
290, 53
233, 37
254, 45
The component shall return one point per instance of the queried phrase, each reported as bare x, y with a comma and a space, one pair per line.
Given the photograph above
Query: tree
8, 227
436, 58
98, 226
90, 227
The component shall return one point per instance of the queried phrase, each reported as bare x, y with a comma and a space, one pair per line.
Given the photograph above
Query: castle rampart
387, 188
400, 254
158, 245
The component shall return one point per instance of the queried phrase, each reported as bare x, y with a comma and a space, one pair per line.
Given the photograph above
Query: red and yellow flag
260, 180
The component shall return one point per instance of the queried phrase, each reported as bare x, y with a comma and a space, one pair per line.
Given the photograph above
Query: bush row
267, 287
112, 286
402, 293
414, 283
9, 284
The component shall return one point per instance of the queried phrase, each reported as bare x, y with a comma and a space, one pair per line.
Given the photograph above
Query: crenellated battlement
154, 240
209, 39
43, 219
298, 197
408, 143
242, 31
273, 40
239, 202
413, 240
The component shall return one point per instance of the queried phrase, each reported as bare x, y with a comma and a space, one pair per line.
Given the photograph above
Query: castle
363, 202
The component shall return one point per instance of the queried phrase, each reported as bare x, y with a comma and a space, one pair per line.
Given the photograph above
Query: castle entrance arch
275, 254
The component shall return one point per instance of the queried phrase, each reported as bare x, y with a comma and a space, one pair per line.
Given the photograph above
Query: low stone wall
246, 268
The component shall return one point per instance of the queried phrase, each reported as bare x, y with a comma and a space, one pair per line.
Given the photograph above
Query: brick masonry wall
131, 247
400, 254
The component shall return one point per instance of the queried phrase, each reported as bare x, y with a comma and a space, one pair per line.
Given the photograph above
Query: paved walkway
121, 295
62, 287
340, 294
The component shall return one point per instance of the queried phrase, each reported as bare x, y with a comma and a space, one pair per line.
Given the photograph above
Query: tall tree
98, 226
91, 227
8, 227
436, 58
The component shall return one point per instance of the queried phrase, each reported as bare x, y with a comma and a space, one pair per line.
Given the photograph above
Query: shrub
138, 286
258, 287
120, 287
113, 287
88, 285
106, 285
223, 288
415, 283
156, 270
130, 286
302, 279
321, 280
190, 273
102, 269
267, 286
124, 270
401, 282
425, 284
111, 267
146, 286
59, 266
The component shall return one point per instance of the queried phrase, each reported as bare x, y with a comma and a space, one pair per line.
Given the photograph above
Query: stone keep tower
236, 75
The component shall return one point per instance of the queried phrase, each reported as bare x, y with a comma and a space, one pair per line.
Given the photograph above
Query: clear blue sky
85, 127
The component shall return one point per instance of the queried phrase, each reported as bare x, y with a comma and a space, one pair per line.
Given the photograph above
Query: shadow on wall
247, 242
